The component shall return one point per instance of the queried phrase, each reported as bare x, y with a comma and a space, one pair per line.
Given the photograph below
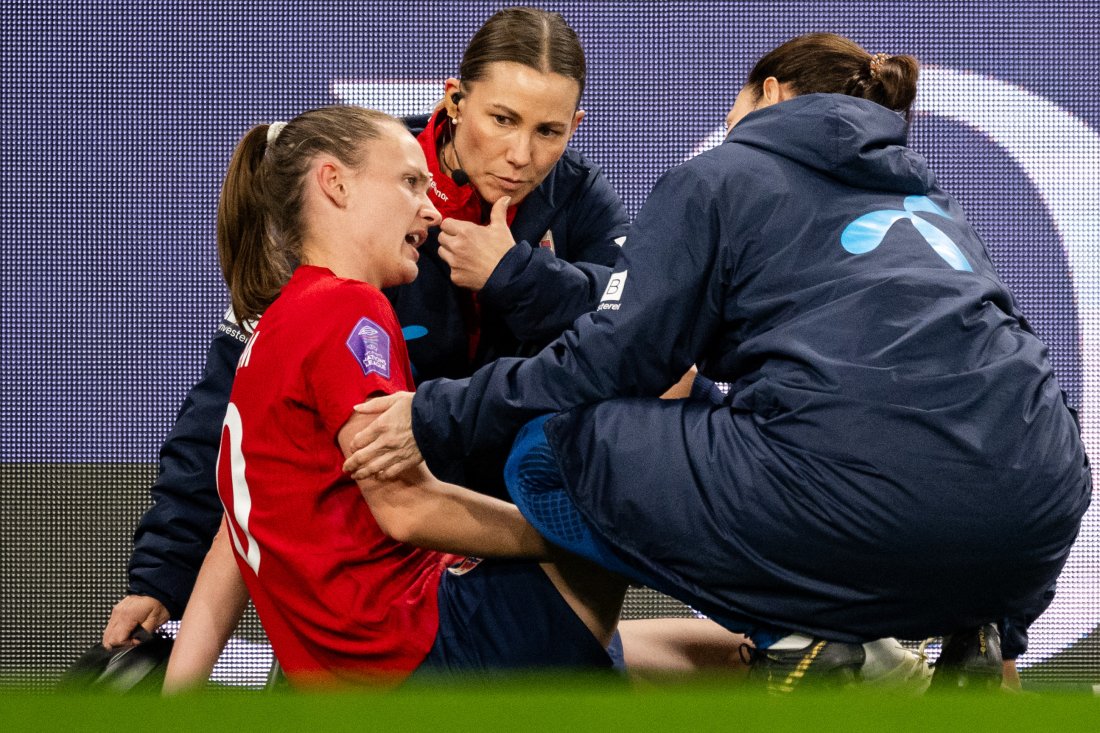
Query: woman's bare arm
213, 612
419, 509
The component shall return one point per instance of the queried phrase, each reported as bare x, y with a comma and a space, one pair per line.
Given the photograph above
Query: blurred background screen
119, 119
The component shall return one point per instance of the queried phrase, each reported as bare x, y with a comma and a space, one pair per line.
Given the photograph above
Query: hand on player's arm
417, 508
130, 613
473, 251
383, 446
216, 606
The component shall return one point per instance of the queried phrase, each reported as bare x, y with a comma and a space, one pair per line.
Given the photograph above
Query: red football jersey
336, 596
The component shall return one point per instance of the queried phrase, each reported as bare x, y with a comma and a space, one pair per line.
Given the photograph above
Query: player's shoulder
320, 297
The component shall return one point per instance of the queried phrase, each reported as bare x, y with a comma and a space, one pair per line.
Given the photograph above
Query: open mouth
415, 239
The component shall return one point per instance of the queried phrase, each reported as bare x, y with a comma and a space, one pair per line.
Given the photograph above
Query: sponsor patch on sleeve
614, 289
370, 345
613, 292
230, 327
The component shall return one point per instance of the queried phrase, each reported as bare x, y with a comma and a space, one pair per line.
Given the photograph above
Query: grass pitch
531, 704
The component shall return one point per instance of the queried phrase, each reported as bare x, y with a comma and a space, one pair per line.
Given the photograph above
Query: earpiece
458, 175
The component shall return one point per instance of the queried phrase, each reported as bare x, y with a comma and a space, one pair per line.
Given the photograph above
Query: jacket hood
856, 141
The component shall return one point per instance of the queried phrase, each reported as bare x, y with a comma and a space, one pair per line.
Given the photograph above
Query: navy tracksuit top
895, 457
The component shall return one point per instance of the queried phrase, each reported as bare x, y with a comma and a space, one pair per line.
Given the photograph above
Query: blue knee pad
536, 486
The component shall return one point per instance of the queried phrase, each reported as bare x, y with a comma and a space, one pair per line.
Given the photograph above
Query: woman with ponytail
894, 456
531, 228
316, 217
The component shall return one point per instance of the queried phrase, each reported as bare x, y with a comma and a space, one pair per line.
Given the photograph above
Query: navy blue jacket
532, 296
891, 415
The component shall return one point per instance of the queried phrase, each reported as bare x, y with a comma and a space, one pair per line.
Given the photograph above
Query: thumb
499, 214
375, 405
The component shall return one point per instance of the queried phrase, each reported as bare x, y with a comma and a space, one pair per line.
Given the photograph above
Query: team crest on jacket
547, 241
370, 345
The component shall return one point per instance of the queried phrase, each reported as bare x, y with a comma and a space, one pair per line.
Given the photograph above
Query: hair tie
876, 62
273, 131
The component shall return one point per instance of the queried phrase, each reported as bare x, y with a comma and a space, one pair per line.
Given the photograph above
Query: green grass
535, 704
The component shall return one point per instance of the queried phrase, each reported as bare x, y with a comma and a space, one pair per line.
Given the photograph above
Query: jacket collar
452, 200
854, 140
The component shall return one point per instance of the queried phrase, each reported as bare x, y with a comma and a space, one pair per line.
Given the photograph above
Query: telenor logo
867, 232
413, 332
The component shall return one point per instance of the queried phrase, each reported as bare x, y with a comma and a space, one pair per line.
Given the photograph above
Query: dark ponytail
889, 80
826, 62
249, 261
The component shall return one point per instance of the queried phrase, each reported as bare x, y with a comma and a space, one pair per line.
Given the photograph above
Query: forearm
212, 614
638, 342
174, 534
539, 295
432, 514
419, 509
541, 290
168, 552
457, 422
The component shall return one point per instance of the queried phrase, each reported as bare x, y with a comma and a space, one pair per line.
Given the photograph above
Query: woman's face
512, 126
391, 211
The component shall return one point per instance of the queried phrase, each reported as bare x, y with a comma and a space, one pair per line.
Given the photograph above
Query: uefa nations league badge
371, 347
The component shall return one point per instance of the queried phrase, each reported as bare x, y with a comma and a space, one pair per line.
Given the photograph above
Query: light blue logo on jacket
413, 332
868, 231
